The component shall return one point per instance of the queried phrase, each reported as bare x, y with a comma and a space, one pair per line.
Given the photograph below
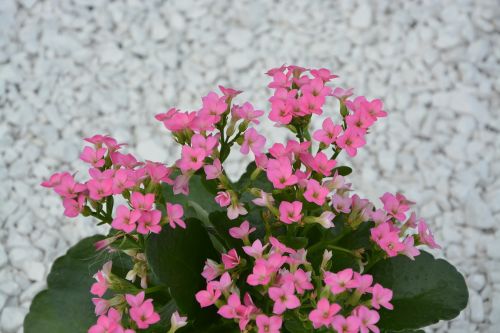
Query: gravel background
72, 68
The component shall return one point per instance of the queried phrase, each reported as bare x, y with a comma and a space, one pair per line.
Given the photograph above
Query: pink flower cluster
286, 278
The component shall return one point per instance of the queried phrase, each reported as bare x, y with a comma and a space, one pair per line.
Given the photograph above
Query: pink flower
191, 158
363, 282
149, 222
324, 74
158, 172
125, 219
300, 279
181, 184
387, 237
99, 189
209, 296
94, 157
350, 141
54, 180
213, 106
174, 215
66, 186
144, 315
340, 281
341, 203
346, 325
176, 121
360, 121
206, 143
394, 207
223, 198
135, 301
73, 207
229, 92
235, 310
329, 132
236, 209
316, 88
425, 236
265, 199
281, 113
142, 201
252, 141
280, 173
99, 140
280, 80
256, 249
122, 179
177, 321
247, 112
323, 314
319, 163
368, 318
410, 250
242, 231
102, 278
107, 324
230, 259
260, 275
315, 192
284, 298
341, 94
381, 297
101, 306
212, 270
213, 171
267, 324
290, 211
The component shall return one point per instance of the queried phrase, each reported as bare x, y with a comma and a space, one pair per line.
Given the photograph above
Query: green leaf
293, 241
425, 291
342, 170
177, 257
293, 324
66, 305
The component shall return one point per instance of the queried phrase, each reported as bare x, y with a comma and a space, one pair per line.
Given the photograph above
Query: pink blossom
191, 158
67, 187
410, 250
329, 132
176, 121
252, 141
300, 280
73, 207
256, 249
323, 73
213, 171
341, 203
360, 121
99, 140
125, 219
231, 259
213, 106
229, 92
267, 324
102, 278
381, 297
284, 298
319, 163
265, 199
340, 281
281, 113
225, 282
209, 296
425, 236
174, 215
223, 198
54, 180
387, 237
235, 310
290, 212
142, 201
350, 141
181, 184
346, 325
394, 207
236, 209
101, 305
341, 94
206, 143
122, 180
379, 216
323, 314
280, 80
212, 270
363, 282
107, 324
144, 315
242, 231
315, 192
260, 275
158, 172
310, 104
149, 222
94, 157
368, 318
135, 300
280, 173
247, 113
99, 189
316, 88
177, 321
279, 247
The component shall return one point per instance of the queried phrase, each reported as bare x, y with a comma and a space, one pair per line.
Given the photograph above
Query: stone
150, 150
362, 17
3, 256
12, 318
34, 270
239, 60
476, 281
239, 38
476, 307
493, 249
477, 212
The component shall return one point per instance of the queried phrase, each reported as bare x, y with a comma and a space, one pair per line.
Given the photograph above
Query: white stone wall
72, 68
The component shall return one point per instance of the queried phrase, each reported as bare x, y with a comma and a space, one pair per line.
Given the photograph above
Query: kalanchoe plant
286, 248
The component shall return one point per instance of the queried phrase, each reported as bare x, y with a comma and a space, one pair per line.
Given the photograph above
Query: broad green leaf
177, 257
66, 305
293, 324
342, 170
425, 291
